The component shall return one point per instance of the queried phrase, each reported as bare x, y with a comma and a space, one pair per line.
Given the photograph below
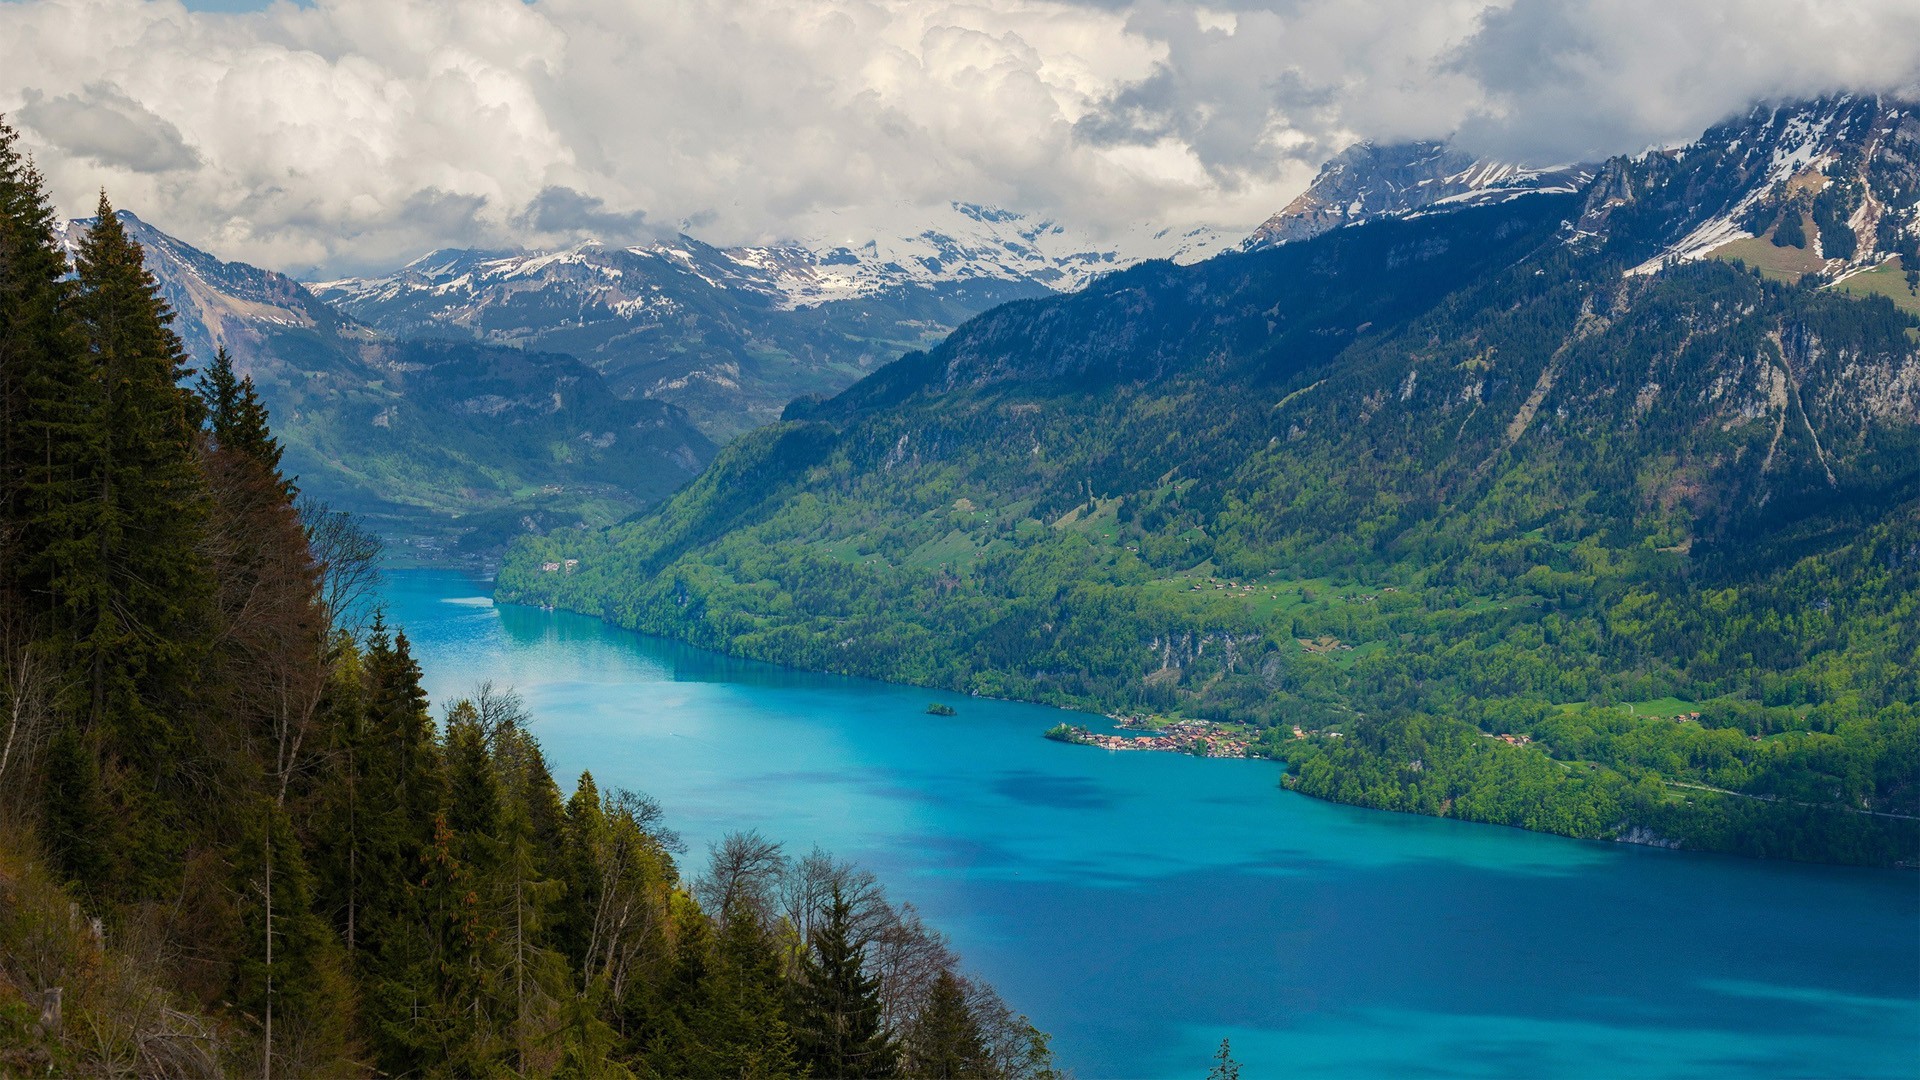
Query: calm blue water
1144, 906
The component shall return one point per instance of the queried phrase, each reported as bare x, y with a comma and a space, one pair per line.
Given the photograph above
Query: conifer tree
138, 589
473, 790
237, 419
751, 1035
76, 815
534, 979
683, 1036
945, 1041
585, 831
1224, 1067
340, 799
274, 672
406, 896
44, 392
837, 1024
288, 978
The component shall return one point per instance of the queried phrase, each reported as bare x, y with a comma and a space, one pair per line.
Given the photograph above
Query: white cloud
353, 134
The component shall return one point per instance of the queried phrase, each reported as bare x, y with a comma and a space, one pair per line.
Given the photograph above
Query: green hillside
1407, 487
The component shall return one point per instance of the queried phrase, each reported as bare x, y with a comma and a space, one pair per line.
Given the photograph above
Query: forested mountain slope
1405, 487
427, 438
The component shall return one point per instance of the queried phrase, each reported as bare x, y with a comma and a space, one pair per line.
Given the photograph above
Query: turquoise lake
1142, 906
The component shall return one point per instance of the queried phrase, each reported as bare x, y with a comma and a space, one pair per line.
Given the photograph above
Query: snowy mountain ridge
1834, 179
961, 243
1370, 180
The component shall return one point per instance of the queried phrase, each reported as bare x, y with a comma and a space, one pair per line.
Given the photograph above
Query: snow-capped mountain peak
1369, 180
1833, 183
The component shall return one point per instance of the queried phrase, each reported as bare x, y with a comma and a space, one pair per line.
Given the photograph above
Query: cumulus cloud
105, 126
347, 135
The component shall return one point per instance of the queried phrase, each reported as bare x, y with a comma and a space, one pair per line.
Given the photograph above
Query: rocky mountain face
733, 334
1836, 180
1829, 186
1369, 181
433, 441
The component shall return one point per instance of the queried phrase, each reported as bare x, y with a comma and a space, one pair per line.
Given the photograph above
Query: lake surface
1143, 906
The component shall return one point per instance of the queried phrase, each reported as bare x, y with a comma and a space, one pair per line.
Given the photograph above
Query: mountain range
672, 347
473, 394
430, 440
1453, 501
733, 334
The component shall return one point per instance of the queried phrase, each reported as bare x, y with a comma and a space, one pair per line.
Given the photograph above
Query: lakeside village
1201, 738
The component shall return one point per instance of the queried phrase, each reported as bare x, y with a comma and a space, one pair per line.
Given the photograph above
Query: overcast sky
349, 135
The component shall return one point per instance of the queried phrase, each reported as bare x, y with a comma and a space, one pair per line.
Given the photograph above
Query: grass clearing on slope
1889, 279
1788, 264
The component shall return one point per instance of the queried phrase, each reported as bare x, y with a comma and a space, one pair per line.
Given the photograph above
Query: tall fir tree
137, 590
237, 418
838, 1022
44, 395
586, 828
289, 978
405, 912
751, 1035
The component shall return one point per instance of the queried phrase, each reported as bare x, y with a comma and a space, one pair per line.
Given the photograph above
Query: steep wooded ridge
234, 840
1457, 510
442, 439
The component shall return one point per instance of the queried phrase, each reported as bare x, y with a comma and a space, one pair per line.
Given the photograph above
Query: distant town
1200, 738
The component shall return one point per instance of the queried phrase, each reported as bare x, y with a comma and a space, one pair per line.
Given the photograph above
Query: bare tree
742, 871
1015, 1048
633, 873
807, 890
498, 711
902, 951
907, 955
348, 555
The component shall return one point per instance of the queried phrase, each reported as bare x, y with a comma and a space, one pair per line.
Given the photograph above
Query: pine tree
837, 1026
535, 978
340, 803
273, 672
118, 519
237, 419
44, 395
945, 1041
406, 756
682, 1040
473, 789
76, 814
407, 908
288, 978
1224, 1067
585, 832
751, 1036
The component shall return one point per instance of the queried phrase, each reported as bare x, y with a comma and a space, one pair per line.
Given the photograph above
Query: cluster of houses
568, 565
1243, 590
1197, 737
